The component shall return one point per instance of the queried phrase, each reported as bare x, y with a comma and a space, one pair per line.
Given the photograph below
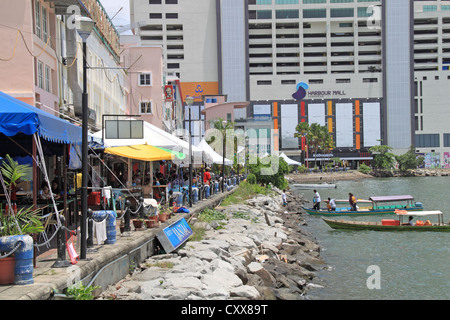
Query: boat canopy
391, 198
418, 213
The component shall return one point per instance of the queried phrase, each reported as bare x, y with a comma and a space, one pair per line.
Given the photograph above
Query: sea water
383, 265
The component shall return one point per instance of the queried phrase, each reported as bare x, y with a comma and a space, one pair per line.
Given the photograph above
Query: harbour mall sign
328, 93
303, 90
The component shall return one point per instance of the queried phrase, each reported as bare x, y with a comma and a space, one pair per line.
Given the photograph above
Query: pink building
216, 107
146, 95
28, 59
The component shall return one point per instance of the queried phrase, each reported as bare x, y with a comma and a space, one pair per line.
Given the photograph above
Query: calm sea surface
410, 265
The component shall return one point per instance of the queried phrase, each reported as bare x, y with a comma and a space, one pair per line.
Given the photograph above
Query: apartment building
375, 71
42, 59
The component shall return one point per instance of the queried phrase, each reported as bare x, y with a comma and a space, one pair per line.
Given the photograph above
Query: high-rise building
372, 71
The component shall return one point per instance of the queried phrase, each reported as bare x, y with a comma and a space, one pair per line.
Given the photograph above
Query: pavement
104, 264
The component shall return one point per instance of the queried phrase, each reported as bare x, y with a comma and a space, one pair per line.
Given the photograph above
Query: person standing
207, 177
352, 201
284, 198
316, 200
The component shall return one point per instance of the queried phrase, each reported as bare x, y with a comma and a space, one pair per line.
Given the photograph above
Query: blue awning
18, 117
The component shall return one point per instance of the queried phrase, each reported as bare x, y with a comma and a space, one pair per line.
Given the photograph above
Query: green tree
317, 136
271, 169
383, 158
409, 160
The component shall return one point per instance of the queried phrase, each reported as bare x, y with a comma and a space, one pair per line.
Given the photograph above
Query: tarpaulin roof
144, 152
18, 117
392, 198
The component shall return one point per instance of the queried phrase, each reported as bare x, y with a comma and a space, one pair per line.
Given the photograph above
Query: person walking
284, 198
316, 200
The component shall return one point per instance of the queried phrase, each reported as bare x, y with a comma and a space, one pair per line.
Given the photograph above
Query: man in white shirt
331, 204
316, 200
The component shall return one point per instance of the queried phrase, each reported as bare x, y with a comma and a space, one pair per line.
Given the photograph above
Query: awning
391, 198
18, 117
144, 152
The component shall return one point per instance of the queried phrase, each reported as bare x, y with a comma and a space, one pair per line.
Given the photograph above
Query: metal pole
84, 149
190, 159
223, 155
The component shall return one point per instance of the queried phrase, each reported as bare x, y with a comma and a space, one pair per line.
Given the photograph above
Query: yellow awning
142, 152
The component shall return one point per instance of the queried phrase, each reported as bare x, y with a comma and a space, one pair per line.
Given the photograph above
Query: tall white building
374, 70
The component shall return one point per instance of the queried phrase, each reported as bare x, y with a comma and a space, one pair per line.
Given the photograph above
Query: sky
123, 17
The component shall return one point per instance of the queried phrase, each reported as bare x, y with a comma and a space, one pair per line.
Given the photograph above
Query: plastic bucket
195, 195
110, 227
7, 270
23, 268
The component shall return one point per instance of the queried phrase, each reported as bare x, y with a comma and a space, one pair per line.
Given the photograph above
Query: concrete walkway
108, 265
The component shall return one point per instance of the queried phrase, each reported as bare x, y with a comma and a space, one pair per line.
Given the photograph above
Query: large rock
259, 270
222, 278
245, 292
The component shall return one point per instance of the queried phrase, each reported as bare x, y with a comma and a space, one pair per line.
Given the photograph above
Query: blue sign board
174, 235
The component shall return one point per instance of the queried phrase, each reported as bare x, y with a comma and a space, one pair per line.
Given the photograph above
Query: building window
37, 11
146, 107
44, 24
47, 79
155, 15
145, 79
40, 73
427, 141
446, 140
171, 15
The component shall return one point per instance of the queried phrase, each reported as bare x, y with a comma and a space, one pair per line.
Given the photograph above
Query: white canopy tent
289, 160
157, 137
216, 158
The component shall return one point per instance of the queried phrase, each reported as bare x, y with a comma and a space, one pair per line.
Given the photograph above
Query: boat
395, 225
376, 205
314, 186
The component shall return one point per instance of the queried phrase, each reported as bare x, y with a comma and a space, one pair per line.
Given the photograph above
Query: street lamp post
189, 101
224, 126
85, 27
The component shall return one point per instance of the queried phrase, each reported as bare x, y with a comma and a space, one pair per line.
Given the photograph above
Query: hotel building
375, 70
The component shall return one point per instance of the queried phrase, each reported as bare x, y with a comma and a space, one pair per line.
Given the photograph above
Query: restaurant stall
28, 132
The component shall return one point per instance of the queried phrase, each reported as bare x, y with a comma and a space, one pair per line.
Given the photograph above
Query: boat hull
314, 186
358, 213
376, 226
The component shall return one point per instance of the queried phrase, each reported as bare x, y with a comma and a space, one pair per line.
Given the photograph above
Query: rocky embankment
259, 252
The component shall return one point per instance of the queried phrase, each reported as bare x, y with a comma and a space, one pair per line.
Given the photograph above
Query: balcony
94, 9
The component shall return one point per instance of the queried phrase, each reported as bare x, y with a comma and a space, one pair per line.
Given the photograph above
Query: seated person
45, 193
409, 223
331, 205
55, 189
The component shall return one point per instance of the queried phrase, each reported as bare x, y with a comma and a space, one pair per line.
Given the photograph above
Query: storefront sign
174, 235
328, 93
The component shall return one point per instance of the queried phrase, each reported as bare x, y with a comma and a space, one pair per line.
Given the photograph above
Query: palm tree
319, 139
